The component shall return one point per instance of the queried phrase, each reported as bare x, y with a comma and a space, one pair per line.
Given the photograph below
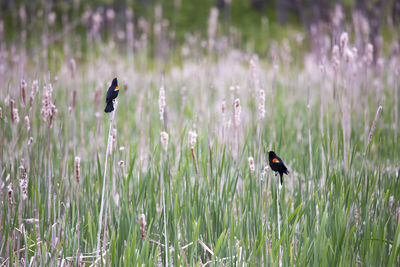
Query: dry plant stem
195, 162
309, 133
279, 220
396, 105
104, 183
77, 226
163, 206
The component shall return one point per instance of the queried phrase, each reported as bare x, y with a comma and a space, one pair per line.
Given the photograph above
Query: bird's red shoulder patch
275, 160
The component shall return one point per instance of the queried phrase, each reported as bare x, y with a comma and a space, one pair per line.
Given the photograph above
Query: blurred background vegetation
248, 24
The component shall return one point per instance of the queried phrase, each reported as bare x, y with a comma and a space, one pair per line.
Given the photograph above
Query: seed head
72, 67
28, 124
23, 94
344, 39
377, 116
161, 102
192, 139
251, 164
164, 140
142, 220
238, 111
370, 54
49, 110
121, 163
77, 169
23, 184
261, 104
10, 194
114, 138
35, 88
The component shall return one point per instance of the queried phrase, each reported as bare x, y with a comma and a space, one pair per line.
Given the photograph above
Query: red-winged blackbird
277, 164
112, 94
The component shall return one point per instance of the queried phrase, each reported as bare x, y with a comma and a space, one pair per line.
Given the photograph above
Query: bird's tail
109, 107
281, 174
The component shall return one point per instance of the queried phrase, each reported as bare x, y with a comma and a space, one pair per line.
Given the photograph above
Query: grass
340, 209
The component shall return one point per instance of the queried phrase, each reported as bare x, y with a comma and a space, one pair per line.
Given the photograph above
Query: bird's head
115, 84
271, 154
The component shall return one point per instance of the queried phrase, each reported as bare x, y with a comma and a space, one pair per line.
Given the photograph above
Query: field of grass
204, 196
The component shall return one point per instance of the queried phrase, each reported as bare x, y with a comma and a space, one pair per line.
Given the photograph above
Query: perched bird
112, 94
277, 164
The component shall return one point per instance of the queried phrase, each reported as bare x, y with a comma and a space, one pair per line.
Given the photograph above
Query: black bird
112, 94
277, 164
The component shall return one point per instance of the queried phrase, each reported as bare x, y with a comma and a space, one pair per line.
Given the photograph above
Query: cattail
164, 140
370, 54
238, 111
23, 94
49, 110
344, 39
73, 102
11, 102
264, 172
348, 55
77, 169
251, 164
261, 104
28, 124
121, 163
114, 138
35, 88
23, 183
142, 220
161, 102
192, 139
371, 132
10, 194
14, 112
72, 67
335, 56
212, 27
390, 203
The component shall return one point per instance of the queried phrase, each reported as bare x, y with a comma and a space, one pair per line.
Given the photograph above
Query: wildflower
164, 140
77, 169
121, 163
251, 164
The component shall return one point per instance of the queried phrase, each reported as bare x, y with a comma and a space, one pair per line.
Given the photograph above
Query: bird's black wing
109, 95
285, 169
